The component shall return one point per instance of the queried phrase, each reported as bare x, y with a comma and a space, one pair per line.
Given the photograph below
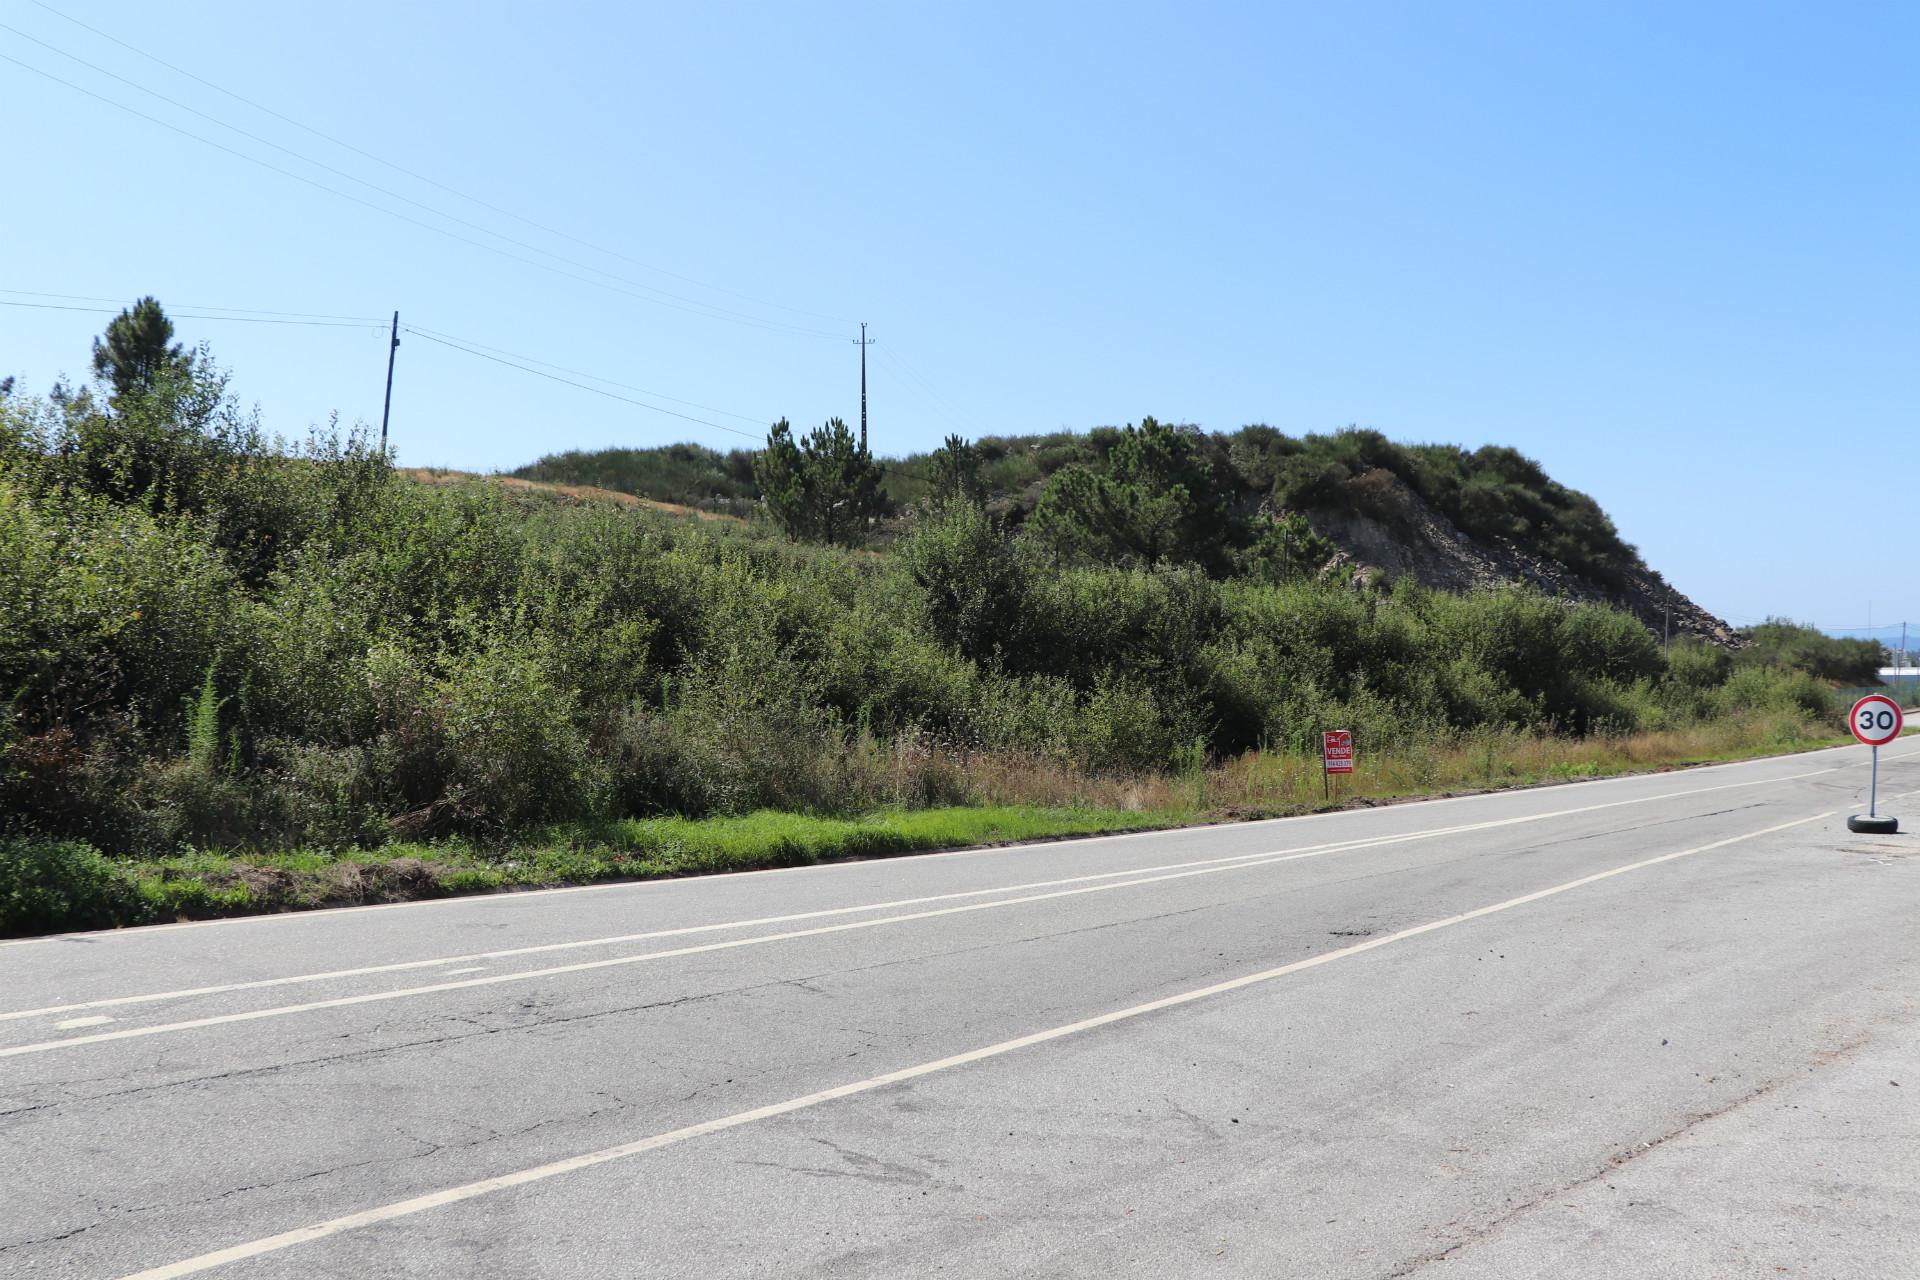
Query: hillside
1452, 519
215, 644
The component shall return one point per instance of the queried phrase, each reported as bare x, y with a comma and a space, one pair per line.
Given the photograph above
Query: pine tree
824, 488
138, 350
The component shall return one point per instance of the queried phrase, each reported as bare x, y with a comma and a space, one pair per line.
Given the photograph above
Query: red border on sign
1336, 751
1899, 719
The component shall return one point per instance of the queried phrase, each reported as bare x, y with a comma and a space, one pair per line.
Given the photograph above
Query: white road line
1357, 843
373, 997
73, 1023
539, 1173
470, 969
471, 900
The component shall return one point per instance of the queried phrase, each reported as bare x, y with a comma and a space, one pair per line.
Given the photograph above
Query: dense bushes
1778, 642
213, 641
60, 884
1137, 495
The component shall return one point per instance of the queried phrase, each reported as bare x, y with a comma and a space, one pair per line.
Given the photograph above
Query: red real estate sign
1336, 750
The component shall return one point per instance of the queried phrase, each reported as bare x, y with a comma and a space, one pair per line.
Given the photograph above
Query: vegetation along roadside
239, 673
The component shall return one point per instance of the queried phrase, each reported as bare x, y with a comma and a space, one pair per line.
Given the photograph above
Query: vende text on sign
1336, 750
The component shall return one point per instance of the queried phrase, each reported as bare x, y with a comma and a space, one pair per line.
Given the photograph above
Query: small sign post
1875, 720
1336, 756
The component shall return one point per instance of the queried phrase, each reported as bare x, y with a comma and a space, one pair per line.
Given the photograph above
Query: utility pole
1666, 625
387, 408
863, 342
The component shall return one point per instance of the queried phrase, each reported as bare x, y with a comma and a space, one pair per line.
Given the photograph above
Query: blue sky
1668, 250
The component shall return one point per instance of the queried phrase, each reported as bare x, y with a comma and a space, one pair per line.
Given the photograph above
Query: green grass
193, 885
63, 885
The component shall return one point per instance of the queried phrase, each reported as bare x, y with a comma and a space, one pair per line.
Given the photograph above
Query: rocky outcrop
1388, 531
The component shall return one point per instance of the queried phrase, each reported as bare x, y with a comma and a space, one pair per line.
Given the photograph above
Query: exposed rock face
1389, 531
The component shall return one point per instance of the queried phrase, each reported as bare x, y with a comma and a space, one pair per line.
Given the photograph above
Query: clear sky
1669, 250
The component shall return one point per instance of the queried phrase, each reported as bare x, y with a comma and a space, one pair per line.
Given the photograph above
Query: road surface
1659, 1026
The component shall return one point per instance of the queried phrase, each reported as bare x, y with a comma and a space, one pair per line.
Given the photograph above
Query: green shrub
50, 884
483, 741
973, 586
1778, 642
215, 640
1752, 688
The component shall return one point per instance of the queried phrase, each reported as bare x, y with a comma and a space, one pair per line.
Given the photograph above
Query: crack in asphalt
53, 1239
428, 1148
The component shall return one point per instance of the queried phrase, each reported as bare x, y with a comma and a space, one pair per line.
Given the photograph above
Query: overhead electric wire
418, 177
926, 392
183, 315
698, 308
526, 364
431, 334
197, 306
541, 373
482, 228
498, 355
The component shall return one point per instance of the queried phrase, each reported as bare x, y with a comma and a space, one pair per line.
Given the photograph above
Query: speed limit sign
1875, 720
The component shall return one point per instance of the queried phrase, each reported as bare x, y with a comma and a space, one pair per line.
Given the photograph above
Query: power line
418, 177
539, 373
183, 315
371, 186
927, 393
526, 364
194, 306
697, 308
582, 373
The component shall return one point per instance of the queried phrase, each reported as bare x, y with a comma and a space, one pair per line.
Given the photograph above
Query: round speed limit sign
1875, 720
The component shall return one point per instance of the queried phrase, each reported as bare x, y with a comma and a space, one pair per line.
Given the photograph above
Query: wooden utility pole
863, 342
386, 408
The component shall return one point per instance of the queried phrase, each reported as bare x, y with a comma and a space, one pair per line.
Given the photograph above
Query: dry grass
568, 492
928, 798
1267, 783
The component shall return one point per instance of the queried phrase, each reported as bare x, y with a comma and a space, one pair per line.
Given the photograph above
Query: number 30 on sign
1875, 720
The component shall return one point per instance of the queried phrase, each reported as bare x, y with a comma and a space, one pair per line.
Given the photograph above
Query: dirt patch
396, 880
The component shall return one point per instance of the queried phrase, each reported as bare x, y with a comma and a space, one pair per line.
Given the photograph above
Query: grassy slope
559, 492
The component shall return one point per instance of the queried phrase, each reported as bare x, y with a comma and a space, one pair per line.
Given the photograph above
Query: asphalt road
1664, 1026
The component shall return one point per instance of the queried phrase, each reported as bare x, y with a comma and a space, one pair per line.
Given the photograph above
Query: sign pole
1875, 720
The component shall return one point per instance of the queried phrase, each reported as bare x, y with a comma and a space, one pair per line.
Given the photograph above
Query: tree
138, 352
824, 488
1158, 500
1284, 547
976, 588
173, 441
954, 473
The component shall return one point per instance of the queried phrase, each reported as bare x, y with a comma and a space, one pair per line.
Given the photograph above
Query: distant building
1900, 677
